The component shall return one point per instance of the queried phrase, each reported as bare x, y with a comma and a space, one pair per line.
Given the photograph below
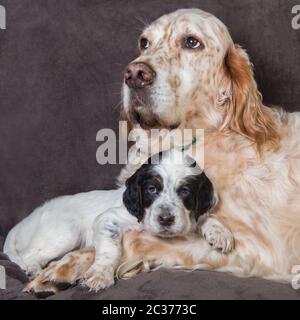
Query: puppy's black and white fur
166, 197
169, 195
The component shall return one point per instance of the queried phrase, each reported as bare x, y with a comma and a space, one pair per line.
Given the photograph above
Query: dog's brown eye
144, 43
193, 43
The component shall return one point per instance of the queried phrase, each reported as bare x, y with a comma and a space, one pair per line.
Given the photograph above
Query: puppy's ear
132, 197
245, 112
205, 198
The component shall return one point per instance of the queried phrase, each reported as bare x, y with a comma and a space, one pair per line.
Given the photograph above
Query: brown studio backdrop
61, 65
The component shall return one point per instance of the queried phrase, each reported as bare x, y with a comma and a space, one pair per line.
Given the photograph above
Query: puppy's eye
152, 189
144, 43
184, 191
193, 43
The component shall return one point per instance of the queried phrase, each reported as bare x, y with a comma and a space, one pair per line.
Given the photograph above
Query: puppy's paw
217, 235
99, 277
32, 271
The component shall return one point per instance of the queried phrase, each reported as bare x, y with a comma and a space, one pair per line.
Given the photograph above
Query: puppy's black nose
139, 75
166, 219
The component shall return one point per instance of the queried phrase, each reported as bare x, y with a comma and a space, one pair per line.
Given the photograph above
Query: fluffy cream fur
251, 152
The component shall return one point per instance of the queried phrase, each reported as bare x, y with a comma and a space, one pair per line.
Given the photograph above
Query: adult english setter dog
190, 74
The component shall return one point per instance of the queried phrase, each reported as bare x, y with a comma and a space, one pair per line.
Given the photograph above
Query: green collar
185, 147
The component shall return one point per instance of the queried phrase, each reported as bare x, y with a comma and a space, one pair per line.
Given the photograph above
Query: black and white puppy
166, 197
168, 194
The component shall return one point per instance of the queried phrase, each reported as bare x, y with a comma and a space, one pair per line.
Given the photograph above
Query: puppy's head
168, 194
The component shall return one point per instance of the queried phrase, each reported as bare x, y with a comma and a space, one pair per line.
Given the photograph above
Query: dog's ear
132, 197
245, 112
205, 197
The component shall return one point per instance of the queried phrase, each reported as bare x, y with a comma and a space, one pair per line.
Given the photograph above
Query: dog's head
189, 73
168, 194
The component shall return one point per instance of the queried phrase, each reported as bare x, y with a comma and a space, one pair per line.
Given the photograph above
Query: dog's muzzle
139, 75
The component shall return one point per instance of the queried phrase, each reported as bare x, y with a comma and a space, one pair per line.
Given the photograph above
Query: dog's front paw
217, 235
57, 276
99, 277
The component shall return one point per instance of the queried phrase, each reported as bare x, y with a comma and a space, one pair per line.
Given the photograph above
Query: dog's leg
38, 250
108, 233
35, 261
217, 235
62, 273
143, 252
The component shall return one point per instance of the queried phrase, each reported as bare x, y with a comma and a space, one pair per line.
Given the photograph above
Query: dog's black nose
139, 75
166, 219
